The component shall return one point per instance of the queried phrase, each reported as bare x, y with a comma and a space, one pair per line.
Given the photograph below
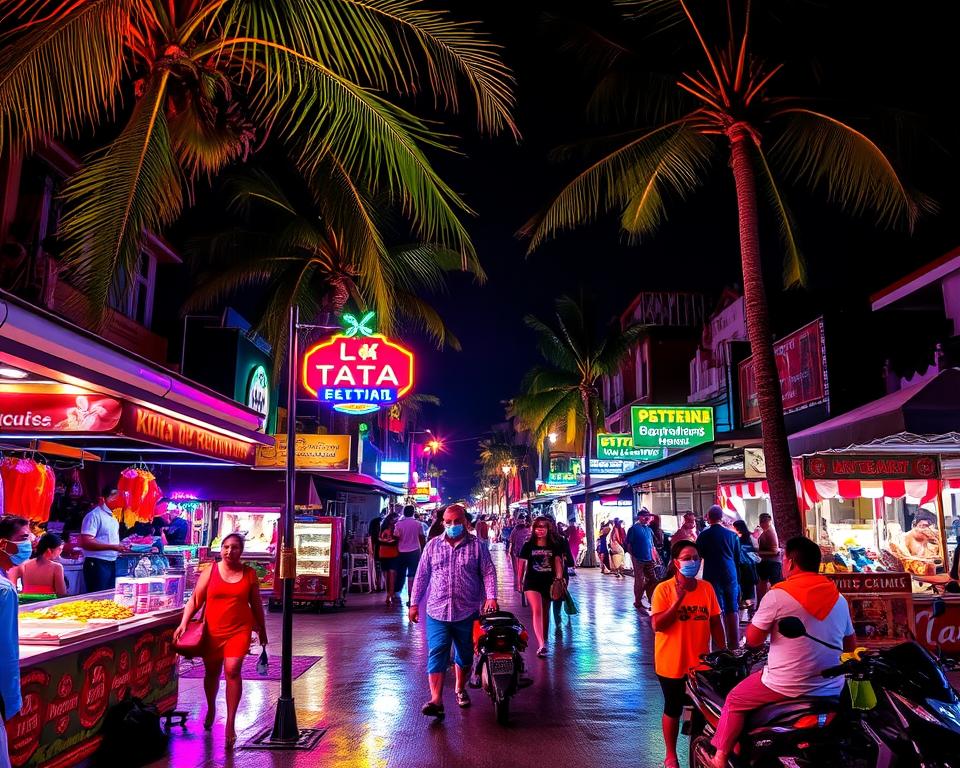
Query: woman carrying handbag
541, 574
228, 593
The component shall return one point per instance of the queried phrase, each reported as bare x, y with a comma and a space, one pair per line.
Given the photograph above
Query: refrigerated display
320, 578
257, 525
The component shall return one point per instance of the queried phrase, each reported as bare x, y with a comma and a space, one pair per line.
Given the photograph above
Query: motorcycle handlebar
837, 671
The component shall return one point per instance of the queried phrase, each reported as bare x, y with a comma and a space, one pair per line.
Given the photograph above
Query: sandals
463, 699
542, 652
433, 710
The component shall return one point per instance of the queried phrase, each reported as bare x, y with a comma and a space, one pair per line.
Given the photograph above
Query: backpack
132, 735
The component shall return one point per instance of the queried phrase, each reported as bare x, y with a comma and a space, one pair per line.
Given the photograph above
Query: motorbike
499, 641
897, 711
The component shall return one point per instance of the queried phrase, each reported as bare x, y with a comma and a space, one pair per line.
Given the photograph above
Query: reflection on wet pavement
595, 701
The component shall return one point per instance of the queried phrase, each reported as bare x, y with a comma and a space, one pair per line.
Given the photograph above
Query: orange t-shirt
678, 648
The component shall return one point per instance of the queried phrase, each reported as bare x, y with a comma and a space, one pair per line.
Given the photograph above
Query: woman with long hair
389, 555
541, 561
42, 574
747, 568
230, 595
603, 554
616, 540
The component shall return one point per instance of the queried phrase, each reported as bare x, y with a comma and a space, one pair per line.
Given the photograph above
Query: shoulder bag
558, 590
192, 641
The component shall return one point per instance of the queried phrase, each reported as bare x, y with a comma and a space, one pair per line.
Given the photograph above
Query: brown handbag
558, 590
192, 641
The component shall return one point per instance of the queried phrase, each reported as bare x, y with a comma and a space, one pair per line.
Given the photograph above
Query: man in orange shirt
686, 615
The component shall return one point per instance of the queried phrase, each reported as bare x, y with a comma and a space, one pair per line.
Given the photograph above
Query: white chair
360, 573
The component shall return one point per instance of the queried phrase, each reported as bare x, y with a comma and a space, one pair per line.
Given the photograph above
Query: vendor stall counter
72, 672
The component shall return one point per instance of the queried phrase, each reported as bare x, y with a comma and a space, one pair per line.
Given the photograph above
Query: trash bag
132, 735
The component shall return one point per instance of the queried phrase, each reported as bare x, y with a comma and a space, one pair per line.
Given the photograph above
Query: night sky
892, 69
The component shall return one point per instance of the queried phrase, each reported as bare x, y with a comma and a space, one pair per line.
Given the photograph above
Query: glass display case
257, 525
320, 578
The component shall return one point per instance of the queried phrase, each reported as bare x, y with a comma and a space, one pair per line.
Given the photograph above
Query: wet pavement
595, 700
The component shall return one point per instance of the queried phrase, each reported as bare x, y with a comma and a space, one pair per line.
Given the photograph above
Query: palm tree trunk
590, 557
783, 494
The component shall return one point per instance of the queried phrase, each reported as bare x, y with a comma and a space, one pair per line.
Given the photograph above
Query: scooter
499, 641
901, 713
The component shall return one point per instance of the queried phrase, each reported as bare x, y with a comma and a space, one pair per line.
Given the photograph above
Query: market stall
79, 657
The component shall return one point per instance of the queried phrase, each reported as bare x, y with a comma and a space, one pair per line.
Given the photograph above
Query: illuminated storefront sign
154, 427
258, 394
671, 426
622, 447
844, 466
330, 452
28, 408
610, 467
395, 472
358, 371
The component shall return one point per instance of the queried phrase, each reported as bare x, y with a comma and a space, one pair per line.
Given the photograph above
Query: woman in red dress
231, 595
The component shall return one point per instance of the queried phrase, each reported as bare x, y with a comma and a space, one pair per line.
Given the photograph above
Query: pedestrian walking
483, 532
436, 527
518, 537
373, 532
100, 541
460, 577
720, 549
15, 550
687, 531
642, 548
747, 568
410, 542
616, 541
229, 593
685, 617
770, 568
42, 574
541, 563
576, 535
389, 555
603, 551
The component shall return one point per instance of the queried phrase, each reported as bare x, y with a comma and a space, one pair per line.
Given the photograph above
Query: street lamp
412, 461
506, 488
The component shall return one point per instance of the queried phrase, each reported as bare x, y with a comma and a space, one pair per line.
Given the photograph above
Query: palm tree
564, 389
201, 84
320, 255
495, 453
726, 104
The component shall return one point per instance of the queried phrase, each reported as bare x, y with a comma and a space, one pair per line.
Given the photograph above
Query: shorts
541, 587
234, 646
406, 564
728, 595
674, 695
440, 635
770, 570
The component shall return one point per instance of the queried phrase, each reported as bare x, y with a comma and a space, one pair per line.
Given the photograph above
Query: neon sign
358, 371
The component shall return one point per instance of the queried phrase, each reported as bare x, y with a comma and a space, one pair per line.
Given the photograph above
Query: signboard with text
327, 452
31, 408
881, 606
801, 364
610, 467
622, 447
677, 427
851, 466
153, 427
358, 371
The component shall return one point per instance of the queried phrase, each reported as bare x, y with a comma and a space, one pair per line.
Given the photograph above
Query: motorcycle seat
786, 711
498, 617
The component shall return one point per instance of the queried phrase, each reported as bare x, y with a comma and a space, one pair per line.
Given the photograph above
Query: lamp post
506, 488
412, 463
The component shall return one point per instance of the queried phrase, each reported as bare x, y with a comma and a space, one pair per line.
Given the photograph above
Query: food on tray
82, 611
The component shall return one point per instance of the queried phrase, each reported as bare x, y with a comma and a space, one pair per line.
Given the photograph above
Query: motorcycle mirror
939, 607
791, 627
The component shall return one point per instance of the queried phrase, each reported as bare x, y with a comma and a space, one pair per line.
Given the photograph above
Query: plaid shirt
460, 577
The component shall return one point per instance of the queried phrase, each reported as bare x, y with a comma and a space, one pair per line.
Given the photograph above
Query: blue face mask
689, 568
23, 553
454, 531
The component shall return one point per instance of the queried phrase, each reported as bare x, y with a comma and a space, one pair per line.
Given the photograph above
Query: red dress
229, 616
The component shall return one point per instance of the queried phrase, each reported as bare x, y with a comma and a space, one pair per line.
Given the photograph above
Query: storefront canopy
354, 482
931, 407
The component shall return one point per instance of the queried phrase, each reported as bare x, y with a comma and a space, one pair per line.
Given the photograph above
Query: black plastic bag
132, 735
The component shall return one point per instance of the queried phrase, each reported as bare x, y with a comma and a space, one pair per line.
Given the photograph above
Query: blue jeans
98, 574
440, 635
728, 595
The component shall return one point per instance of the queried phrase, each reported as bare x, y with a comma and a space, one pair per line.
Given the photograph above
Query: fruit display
82, 611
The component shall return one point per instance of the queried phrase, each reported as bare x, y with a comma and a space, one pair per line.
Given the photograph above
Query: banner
852, 466
622, 447
671, 426
328, 452
154, 427
802, 366
28, 408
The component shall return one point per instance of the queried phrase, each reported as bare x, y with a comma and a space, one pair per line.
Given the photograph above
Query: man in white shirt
410, 542
793, 665
100, 541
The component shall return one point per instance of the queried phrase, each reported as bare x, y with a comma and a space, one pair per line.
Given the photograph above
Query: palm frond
414, 311
794, 264
824, 152
550, 344
616, 347
63, 75
665, 14
614, 182
131, 187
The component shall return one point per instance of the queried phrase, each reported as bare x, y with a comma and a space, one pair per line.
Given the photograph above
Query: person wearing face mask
15, 550
460, 576
686, 615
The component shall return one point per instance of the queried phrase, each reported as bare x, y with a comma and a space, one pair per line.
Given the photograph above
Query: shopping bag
569, 605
